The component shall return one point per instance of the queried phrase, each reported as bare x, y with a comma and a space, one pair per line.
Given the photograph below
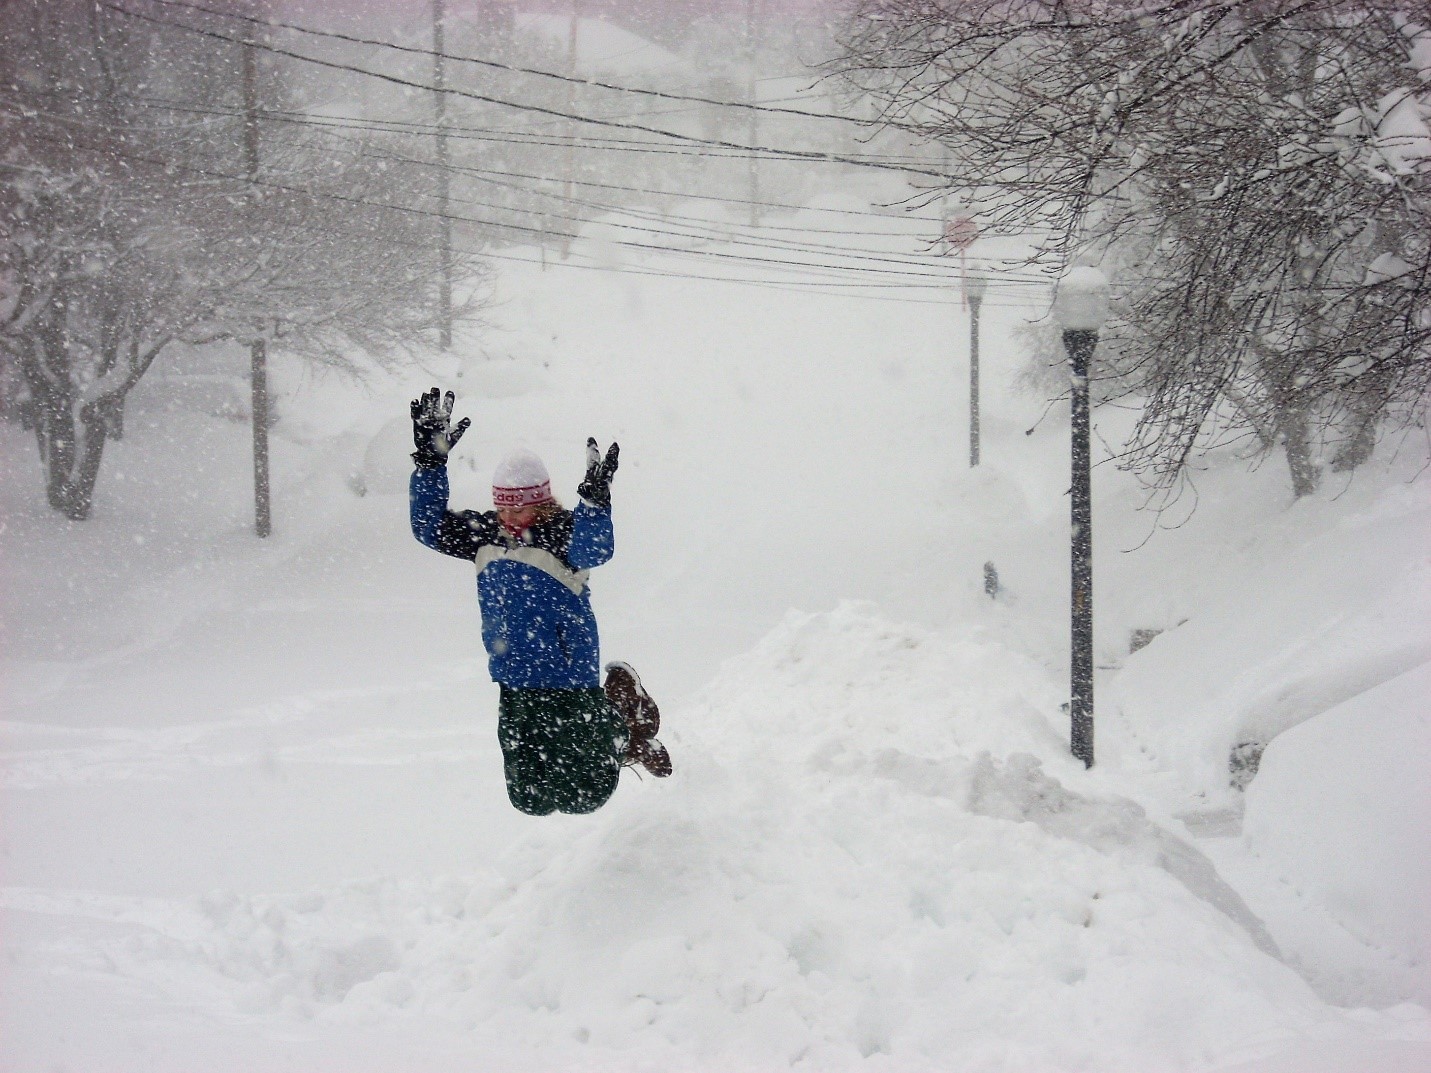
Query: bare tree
1256, 174
128, 222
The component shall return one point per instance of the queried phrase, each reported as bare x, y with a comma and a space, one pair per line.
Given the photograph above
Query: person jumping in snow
564, 735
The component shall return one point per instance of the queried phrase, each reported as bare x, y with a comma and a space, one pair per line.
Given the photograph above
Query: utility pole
959, 234
444, 220
258, 348
571, 53
974, 287
752, 21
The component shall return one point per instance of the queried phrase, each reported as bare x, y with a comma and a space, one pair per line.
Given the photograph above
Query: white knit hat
521, 481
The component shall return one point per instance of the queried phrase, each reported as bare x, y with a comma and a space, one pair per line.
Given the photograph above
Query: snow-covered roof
600, 45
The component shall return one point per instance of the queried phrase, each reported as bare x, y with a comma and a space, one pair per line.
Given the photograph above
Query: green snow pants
561, 748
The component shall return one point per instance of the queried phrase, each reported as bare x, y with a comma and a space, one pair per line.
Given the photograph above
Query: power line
415, 129
777, 263
742, 238
701, 229
834, 289
790, 154
306, 119
845, 291
517, 69
704, 229
793, 286
651, 113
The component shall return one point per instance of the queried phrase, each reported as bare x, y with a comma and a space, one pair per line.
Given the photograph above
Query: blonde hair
548, 510
542, 512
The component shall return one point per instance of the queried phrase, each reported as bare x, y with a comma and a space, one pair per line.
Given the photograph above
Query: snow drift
831, 877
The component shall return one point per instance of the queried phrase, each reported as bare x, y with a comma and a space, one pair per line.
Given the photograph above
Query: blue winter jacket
537, 623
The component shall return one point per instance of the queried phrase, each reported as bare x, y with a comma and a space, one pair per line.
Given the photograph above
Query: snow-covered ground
253, 807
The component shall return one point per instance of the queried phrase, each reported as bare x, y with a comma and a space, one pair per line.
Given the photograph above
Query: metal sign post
959, 234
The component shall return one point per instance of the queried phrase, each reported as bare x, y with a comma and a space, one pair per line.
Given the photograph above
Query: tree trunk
1358, 447
1367, 408
71, 448
86, 470
55, 436
1292, 406
1296, 437
69, 432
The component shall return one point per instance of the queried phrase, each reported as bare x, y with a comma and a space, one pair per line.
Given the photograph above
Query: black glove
432, 429
596, 487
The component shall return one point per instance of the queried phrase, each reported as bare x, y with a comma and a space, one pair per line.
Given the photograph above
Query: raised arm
593, 540
458, 535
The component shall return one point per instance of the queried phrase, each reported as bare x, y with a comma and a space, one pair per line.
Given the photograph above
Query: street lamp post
1081, 307
974, 287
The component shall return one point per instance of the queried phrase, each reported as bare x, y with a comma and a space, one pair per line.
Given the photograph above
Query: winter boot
650, 754
624, 691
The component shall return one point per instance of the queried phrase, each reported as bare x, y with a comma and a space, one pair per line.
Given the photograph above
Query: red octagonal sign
960, 232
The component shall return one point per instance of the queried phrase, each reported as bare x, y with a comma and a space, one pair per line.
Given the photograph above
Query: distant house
600, 46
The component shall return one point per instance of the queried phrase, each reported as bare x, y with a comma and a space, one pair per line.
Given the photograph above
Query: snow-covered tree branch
1256, 176
130, 222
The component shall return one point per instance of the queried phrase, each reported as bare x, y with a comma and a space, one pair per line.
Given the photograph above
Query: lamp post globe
1080, 302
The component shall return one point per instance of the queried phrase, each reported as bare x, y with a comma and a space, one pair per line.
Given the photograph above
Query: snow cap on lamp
1081, 301
521, 480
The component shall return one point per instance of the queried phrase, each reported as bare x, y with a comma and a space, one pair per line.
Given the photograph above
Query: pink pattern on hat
521, 480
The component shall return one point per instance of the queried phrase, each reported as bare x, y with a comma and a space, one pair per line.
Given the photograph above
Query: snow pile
1327, 622
841, 869
1340, 809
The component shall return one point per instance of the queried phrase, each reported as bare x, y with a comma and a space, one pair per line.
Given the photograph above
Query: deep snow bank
1301, 608
1293, 623
860, 863
1340, 809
